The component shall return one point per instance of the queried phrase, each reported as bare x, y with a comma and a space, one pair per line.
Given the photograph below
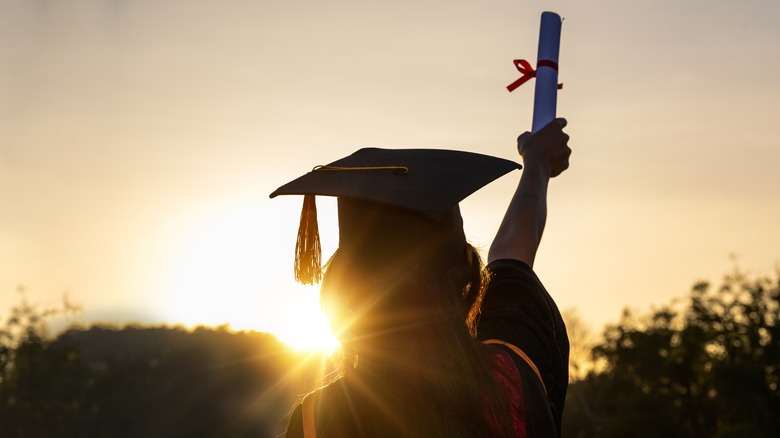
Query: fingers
557, 125
555, 132
560, 159
560, 162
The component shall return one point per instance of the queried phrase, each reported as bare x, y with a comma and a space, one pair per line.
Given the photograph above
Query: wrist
536, 167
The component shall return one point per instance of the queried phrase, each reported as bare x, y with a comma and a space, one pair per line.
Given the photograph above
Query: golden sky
139, 141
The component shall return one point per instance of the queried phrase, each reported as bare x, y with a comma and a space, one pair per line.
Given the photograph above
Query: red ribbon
528, 72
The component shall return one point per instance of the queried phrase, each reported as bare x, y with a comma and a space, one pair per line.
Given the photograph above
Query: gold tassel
308, 253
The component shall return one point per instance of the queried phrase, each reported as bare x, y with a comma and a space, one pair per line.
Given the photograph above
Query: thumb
522, 139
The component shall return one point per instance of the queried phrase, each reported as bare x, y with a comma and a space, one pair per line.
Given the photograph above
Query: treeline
147, 382
708, 368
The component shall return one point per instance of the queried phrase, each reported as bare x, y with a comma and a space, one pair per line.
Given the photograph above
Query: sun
221, 271
307, 327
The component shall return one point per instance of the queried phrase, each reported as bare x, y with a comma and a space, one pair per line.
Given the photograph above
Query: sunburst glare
221, 274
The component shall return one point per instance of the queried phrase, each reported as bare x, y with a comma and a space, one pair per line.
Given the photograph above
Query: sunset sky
139, 141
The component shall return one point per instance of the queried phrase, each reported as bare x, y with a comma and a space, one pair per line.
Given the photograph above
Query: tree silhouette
707, 370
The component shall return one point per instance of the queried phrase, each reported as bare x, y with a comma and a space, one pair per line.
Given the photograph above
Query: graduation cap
398, 208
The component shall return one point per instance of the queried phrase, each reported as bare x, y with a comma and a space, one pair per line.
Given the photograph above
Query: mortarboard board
394, 204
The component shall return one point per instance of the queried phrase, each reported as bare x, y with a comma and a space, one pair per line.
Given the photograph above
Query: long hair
410, 353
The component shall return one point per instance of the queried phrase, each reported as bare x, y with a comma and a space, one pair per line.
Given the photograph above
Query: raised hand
547, 150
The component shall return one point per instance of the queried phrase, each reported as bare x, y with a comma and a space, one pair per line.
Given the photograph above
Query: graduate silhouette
435, 344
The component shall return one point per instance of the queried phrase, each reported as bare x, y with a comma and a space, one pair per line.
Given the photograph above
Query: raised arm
545, 155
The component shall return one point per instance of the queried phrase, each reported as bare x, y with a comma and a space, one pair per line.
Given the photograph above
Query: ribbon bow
528, 72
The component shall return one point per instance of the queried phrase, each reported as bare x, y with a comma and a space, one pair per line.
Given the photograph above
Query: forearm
521, 230
545, 155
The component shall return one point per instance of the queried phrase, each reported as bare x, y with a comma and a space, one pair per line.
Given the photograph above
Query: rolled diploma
546, 90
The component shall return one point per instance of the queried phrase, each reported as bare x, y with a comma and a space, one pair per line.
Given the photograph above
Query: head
398, 273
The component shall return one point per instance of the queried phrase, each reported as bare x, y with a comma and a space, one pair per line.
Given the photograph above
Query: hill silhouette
152, 381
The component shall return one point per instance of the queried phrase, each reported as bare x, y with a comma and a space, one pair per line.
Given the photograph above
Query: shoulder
510, 273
